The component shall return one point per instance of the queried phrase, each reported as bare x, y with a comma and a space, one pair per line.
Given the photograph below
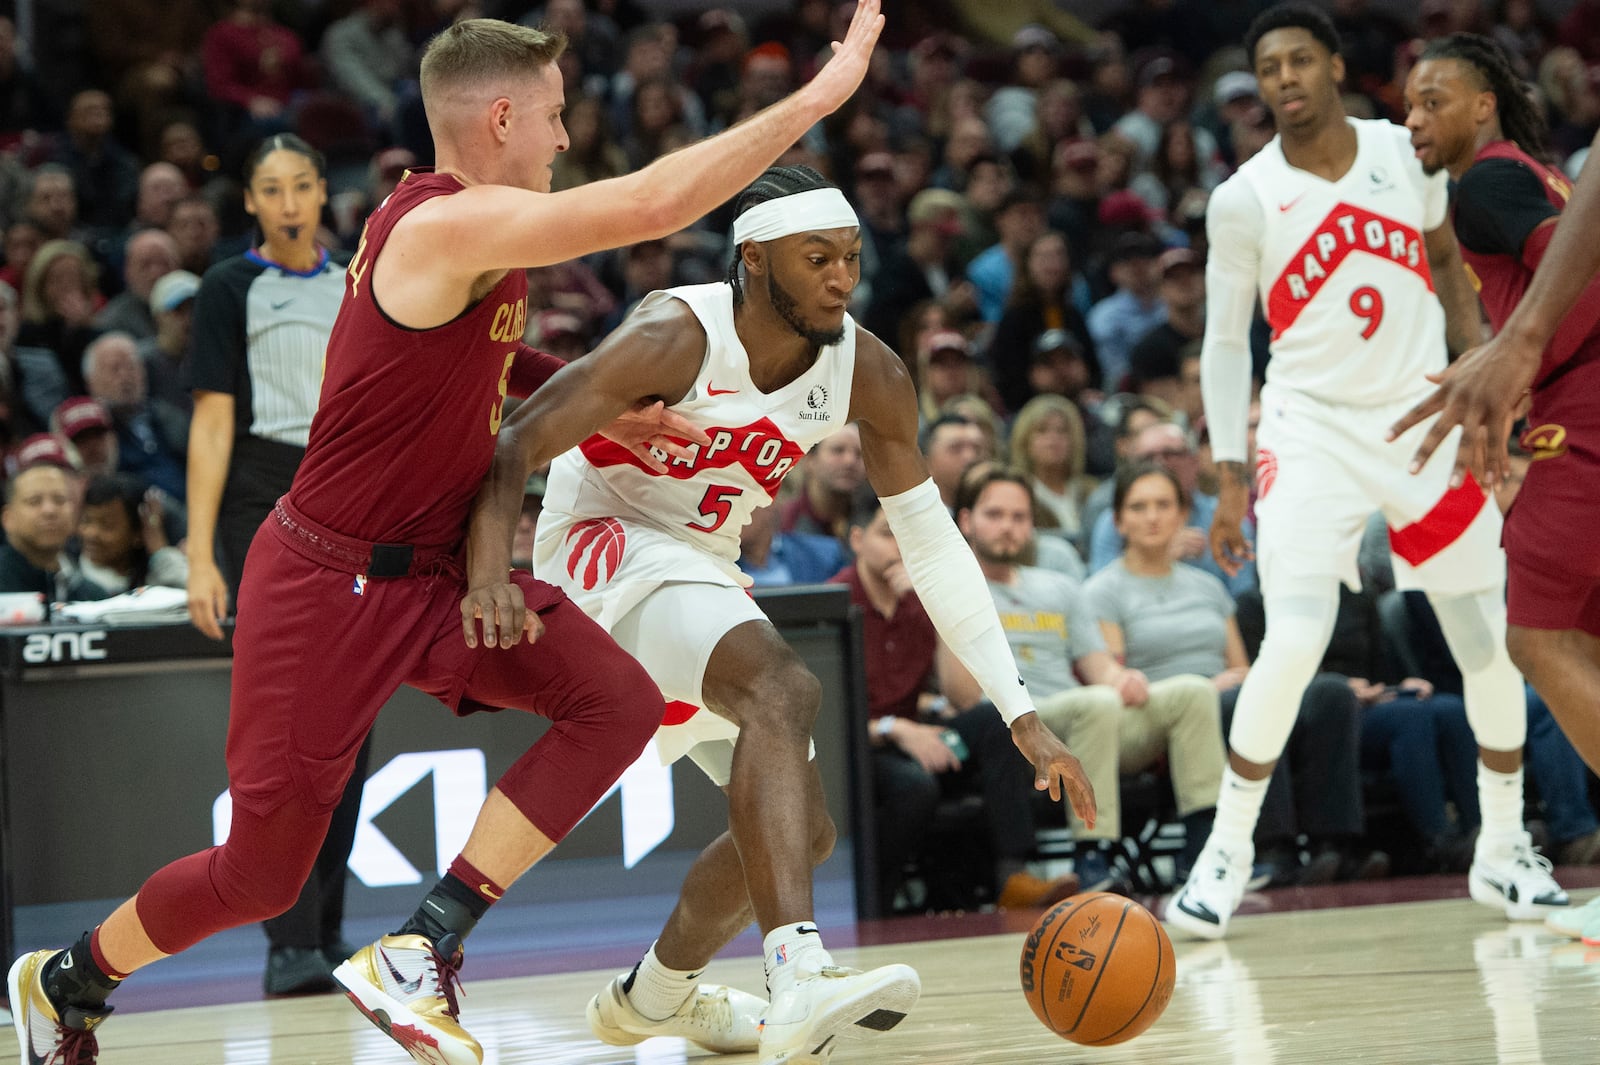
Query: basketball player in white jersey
1346, 241
767, 364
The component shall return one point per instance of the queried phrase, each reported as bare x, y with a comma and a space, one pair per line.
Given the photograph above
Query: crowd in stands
1032, 193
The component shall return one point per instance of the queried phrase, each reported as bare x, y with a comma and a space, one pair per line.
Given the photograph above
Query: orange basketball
1098, 969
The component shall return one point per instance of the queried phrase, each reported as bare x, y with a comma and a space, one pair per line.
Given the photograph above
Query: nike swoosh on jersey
1283, 207
712, 390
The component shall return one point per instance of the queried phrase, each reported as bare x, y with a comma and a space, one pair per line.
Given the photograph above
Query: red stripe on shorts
1441, 526
678, 712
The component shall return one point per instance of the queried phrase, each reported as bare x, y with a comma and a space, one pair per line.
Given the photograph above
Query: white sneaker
807, 1019
720, 1019
1575, 922
407, 986
1515, 878
1208, 898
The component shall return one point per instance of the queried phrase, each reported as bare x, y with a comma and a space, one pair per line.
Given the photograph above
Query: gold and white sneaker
407, 986
811, 1016
720, 1019
48, 1036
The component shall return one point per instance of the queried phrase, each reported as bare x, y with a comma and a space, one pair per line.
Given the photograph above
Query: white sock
1500, 802
792, 951
656, 992
1238, 810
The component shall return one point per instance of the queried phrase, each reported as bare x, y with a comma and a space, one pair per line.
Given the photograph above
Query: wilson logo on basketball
596, 551
1266, 472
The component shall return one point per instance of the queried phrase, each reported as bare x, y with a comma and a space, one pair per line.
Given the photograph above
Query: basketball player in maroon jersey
353, 584
771, 335
1469, 114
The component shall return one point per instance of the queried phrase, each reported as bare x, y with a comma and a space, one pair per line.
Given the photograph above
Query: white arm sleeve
955, 595
1234, 222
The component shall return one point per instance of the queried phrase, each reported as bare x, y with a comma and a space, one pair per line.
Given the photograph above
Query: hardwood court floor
1426, 982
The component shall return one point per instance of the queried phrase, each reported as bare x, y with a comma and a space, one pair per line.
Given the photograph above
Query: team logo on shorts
1545, 441
1266, 472
596, 551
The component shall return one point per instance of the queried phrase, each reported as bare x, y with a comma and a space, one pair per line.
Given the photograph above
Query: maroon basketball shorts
1552, 532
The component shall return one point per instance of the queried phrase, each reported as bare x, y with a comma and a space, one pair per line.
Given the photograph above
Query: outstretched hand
839, 78
499, 607
650, 427
1482, 392
1055, 769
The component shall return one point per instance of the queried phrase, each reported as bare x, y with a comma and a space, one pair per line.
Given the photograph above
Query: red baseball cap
40, 449
80, 415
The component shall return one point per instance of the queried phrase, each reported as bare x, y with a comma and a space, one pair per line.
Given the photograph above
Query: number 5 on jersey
716, 505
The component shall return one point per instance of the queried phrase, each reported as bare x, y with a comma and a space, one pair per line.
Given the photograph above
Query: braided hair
1520, 120
776, 183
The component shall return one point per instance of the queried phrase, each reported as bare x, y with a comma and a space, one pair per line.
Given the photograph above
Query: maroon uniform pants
1552, 532
318, 653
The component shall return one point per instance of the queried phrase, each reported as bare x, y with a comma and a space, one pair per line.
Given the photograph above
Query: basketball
1098, 969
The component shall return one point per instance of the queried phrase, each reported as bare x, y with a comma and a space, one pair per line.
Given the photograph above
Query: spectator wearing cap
150, 255
166, 355
1234, 97
1162, 97
86, 426
1019, 221
1183, 292
765, 76
152, 436
1041, 299
1073, 206
32, 383
1125, 317
945, 370
1013, 110
1060, 368
39, 518
368, 57
924, 268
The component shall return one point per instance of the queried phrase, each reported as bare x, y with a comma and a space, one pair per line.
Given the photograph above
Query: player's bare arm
1481, 390
653, 355
883, 404
488, 229
1463, 319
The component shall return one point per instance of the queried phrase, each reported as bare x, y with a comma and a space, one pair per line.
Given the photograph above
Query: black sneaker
297, 971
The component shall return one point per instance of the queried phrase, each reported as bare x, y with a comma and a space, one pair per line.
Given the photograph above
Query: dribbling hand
1055, 769
505, 617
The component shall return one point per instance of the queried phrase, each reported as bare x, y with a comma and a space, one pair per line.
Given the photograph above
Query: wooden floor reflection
1434, 982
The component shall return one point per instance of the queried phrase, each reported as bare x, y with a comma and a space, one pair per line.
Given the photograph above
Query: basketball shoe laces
74, 1046
447, 976
713, 1011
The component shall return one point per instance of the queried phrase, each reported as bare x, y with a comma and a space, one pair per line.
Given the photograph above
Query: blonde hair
476, 51
1030, 419
34, 308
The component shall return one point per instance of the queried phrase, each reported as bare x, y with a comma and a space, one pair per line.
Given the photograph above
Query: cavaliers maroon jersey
405, 429
1501, 206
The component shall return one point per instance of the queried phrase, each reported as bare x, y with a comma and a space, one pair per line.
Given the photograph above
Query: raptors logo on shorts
1266, 472
595, 551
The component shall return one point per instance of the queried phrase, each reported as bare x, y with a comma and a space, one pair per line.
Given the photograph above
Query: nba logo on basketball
596, 551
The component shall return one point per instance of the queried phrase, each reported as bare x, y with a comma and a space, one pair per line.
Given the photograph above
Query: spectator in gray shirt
1121, 722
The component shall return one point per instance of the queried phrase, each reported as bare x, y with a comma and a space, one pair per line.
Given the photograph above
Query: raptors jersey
1341, 267
756, 440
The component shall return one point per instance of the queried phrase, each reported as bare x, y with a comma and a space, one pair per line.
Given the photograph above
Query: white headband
802, 212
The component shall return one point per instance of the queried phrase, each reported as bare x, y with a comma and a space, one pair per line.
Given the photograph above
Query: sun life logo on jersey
816, 405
